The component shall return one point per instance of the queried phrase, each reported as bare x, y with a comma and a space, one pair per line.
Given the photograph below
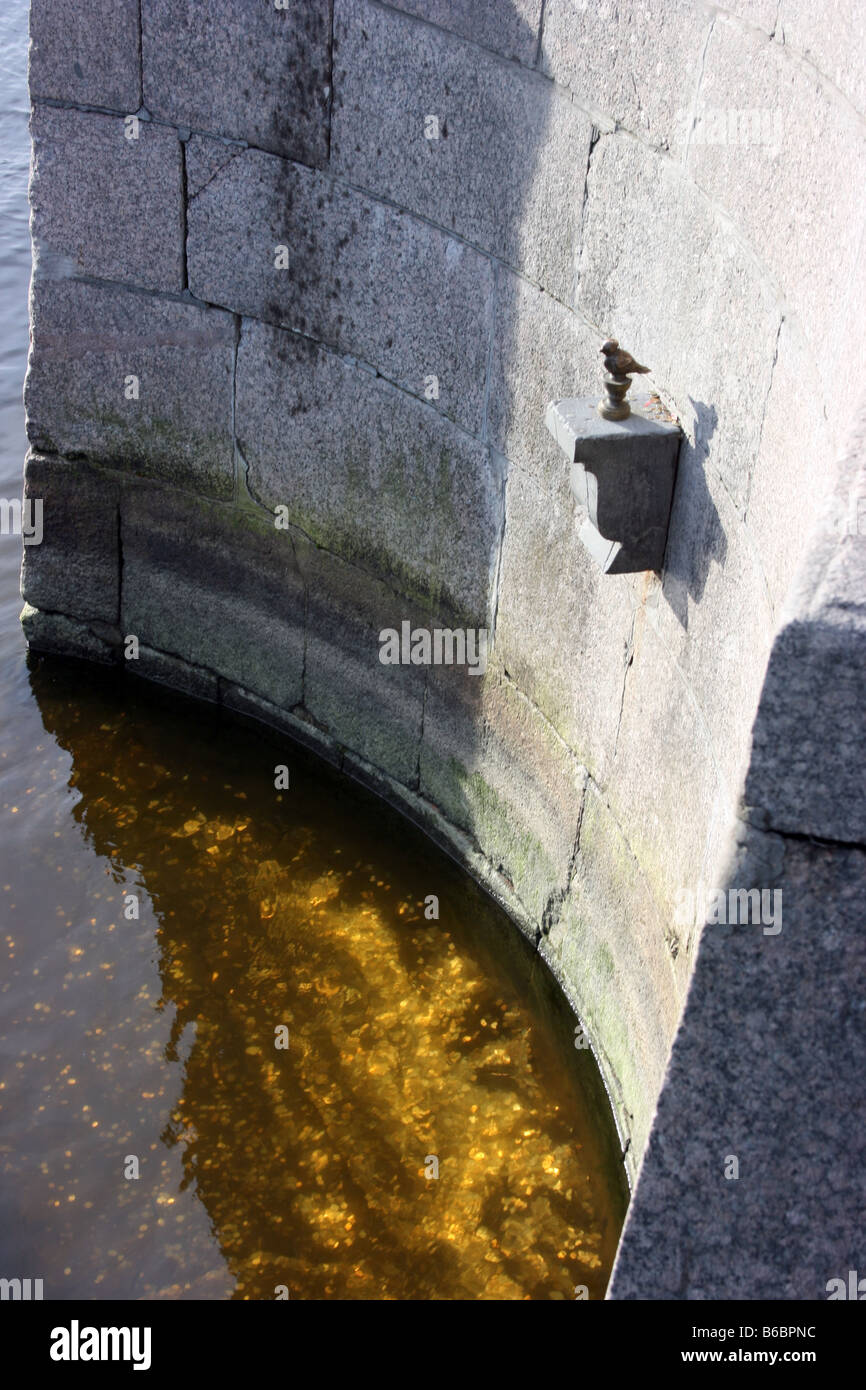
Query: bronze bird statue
620, 366
617, 361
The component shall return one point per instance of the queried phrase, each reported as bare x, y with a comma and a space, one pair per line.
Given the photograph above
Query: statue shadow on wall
696, 538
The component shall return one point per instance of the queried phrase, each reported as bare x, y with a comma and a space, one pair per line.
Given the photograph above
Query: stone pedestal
622, 476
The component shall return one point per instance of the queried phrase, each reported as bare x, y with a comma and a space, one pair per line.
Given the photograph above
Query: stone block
252, 72
89, 341
793, 472
75, 568
374, 709
806, 770
610, 951
109, 206
495, 767
361, 277
398, 490
800, 779
713, 616
563, 629
622, 477
90, 55
664, 779
766, 1067
637, 62
217, 586
506, 171
541, 352
831, 42
677, 297
771, 173
509, 27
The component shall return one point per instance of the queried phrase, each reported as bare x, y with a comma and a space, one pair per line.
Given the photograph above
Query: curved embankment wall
294, 329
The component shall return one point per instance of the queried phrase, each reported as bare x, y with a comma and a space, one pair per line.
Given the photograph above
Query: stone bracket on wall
622, 476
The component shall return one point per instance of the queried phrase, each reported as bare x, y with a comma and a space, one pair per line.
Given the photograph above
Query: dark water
146, 1043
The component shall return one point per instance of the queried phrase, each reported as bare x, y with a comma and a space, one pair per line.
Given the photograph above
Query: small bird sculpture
617, 361
620, 366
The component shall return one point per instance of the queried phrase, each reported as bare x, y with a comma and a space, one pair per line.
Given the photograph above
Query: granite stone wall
305, 278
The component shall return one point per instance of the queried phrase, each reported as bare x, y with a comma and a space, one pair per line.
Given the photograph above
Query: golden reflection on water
409, 1039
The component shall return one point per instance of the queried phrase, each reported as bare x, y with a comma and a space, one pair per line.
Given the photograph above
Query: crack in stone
594, 137
538, 46
760, 440
552, 911
694, 112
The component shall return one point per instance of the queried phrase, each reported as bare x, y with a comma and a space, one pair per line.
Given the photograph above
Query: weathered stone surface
111, 207
508, 26
816, 682
760, 13
830, 40
794, 468
664, 777
494, 766
612, 57
61, 636
216, 586
610, 950
89, 340
346, 254
563, 628
399, 491
541, 352
780, 187
91, 57
766, 1067
841, 371
713, 617
507, 169
252, 72
806, 770
75, 568
679, 296
372, 708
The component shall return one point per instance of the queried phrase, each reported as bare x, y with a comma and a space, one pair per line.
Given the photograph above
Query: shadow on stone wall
697, 536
